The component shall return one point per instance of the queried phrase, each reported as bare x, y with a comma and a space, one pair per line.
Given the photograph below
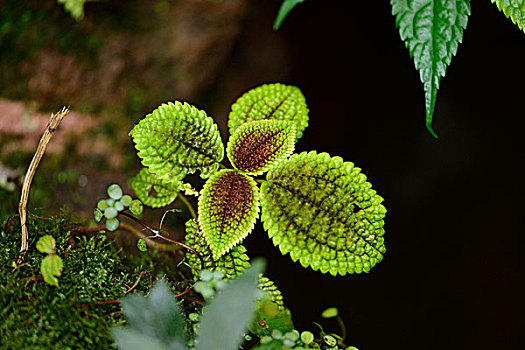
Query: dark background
449, 277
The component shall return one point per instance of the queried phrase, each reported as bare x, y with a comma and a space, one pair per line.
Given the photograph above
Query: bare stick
44, 140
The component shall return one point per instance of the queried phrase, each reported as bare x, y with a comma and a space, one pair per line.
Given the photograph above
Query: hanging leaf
270, 101
432, 30
257, 146
231, 264
177, 139
154, 191
322, 211
228, 208
513, 9
285, 9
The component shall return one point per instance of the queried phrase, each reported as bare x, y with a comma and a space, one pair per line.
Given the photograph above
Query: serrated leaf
154, 191
231, 264
432, 30
257, 146
226, 319
513, 9
228, 208
271, 289
51, 268
157, 316
46, 244
177, 139
322, 211
284, 10
270, 101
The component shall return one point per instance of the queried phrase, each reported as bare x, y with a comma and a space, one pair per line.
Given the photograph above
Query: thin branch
44, 140
131, 229
138, 280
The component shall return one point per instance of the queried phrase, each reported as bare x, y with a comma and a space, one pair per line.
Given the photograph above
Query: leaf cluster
319, 209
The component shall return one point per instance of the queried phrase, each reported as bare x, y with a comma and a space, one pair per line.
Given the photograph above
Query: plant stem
188, 205
54, 121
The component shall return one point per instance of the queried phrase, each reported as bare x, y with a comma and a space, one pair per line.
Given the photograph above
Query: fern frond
257, 146
154, 192
228, 208
270, 101
431, 30
513, 9
177, 139
322, 211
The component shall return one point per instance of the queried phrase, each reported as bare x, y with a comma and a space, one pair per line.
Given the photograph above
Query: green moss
37, 315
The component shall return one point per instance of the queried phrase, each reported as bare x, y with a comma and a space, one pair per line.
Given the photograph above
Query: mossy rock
36, 315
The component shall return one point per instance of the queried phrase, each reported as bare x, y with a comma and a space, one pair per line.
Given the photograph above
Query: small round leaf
126, 200
136, 207
330, 313
119, 206
112, 224
110, 213
102, 204
115, 192
141, 245
46, 244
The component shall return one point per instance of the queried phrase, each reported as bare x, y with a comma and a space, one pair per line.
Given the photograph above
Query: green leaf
112, 224
136, 207
46, 244
231, 264
98, 214
115, 192
228, 208
141, 245
274, 293
513, 9
257, 146
285, 9
432, 30
154, 191
270, 316
178, 139
226, 319
330, 313
156, 317
129, 339
51, 268
74, 7
322, 211
270, 101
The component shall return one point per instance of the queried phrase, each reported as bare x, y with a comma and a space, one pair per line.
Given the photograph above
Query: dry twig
44, 140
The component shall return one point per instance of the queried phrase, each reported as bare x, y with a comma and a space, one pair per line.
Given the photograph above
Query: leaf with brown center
257, 146
228, 208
